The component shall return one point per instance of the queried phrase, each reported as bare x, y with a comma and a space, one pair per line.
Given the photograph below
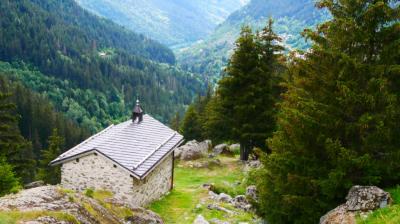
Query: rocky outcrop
218, 149
85, 210
193, 150
222, 197
241, 202
360, 199
143, 216
251, 192
222, 149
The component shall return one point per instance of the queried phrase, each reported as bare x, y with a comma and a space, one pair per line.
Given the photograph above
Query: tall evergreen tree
191, 127
338, 124
176, 122
51, 174
13, 147
246, 92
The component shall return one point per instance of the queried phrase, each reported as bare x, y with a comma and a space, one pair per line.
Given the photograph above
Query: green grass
388, 215
119, 211
14, 217
180, 205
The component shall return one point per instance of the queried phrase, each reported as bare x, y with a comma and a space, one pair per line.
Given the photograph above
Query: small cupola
137, 112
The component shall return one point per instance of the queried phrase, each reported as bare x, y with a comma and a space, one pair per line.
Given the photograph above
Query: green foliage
36, 120
13, 147
89, 192
210, 57
51, 174
9, 183
175, 123
67, 43
247, 90
338, 124
194, 121
191, 126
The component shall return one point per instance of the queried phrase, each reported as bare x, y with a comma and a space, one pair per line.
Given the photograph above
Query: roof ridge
152, 152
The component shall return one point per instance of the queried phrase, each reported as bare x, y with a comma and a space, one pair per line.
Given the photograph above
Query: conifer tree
9, 183
191, 127
246, 92
13, 147
175, 122
338, 124
51, 174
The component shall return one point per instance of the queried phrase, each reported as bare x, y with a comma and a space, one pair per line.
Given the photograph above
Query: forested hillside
168, 21
291, 18
86, 58
27, 122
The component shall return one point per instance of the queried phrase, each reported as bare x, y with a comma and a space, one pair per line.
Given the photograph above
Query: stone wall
98, 172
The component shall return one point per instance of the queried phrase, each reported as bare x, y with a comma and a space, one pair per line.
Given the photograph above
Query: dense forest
321, 121
28, 124
67, 46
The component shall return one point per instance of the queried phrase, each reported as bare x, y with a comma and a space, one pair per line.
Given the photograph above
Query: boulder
222, 197
208, 186
254, 163
200, 220
143, 216
213, 195
241, 202
251, 192
34, 184
218, 149
193, 150
219, 208
360, 199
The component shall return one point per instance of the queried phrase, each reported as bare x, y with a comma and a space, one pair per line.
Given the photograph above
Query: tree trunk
244, 152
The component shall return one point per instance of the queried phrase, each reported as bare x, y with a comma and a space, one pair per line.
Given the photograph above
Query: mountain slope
290, 16
168, 21
106, 66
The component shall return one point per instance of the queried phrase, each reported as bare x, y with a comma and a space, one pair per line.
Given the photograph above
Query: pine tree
175, 122
13, 147
9, 183
51, 174
246, 92
338, 124
191, 127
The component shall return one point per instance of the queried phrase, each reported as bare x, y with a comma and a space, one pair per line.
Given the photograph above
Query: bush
89, 192
8, 182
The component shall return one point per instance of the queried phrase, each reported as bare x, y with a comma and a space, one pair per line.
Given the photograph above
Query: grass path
188, 199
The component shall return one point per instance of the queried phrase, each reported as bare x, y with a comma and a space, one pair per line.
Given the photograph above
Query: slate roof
137, 147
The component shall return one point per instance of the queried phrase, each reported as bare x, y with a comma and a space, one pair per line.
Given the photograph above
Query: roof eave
67, 159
